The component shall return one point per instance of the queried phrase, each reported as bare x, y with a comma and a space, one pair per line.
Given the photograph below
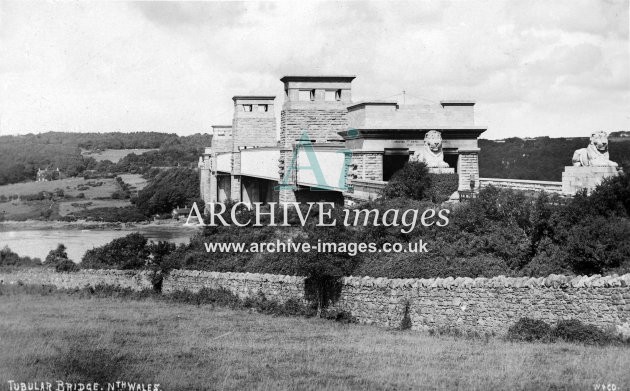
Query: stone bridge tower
315, 105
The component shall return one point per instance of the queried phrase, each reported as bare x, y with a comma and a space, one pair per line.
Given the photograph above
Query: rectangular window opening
304, 95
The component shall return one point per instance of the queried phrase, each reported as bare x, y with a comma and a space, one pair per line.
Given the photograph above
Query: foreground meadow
189, 347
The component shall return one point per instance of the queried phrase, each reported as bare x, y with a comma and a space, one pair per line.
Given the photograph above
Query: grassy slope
20, 210
185, 347
113, 155
68, 185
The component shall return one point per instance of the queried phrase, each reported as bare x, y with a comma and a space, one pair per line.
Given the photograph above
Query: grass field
68, 185
21, 209
67, 207
188, 347
136, 181
113, 155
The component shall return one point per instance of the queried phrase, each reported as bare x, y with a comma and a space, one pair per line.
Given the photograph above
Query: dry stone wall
482, 305
136, 280
274, 287
488, 305
522, 184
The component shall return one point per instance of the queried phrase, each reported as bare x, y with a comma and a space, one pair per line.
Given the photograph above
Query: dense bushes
530, 330
21, 156
541, 158
442, 186
177, 187
412, 181
9, 258
501, 232
415, 182
58, 259
127, 214
129, 252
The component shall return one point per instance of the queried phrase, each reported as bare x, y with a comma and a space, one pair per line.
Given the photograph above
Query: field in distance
113, 155
71, 187
97, 193
189, 347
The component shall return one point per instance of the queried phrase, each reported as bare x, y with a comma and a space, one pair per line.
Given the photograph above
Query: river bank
28, 225
36, 240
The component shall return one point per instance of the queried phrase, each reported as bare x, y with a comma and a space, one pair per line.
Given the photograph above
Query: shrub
575, 331
66, 266
168, 190
442, 186
412, 181
56, 256
129, 252
9, 258
529, 330
127, 214
612, 196
337, 315
405, 323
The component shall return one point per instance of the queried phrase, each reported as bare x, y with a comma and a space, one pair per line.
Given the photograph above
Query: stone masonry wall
521, 184
369, 165
321, 122
274, 287
487, 305
468, 168
254, 131
482, 305
136, 280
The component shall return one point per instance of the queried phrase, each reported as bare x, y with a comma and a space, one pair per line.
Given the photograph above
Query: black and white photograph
314, 195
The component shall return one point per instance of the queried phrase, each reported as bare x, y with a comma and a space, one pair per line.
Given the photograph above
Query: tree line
541, 158
21, 156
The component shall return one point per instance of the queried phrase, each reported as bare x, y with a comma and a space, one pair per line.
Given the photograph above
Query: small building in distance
180, 213
47, 175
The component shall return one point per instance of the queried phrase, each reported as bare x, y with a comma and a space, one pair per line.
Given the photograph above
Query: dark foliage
66, 266
127, 214
129, 252
405, 323
442, 186
541, 159
530, 330
9, 258
169, 189
56, 256
573, 330
412, 181
21, 156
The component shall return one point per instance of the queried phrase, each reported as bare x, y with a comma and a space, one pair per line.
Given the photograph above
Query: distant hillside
541, 158
21, 156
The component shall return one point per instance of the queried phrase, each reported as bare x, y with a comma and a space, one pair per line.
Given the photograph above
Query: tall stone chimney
254, 123
314, 104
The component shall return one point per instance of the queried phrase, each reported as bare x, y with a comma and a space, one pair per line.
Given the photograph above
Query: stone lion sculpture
596, 154
431, 153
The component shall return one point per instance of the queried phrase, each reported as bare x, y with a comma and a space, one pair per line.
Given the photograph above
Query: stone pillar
286, 166
235, 187
576, 178
468, 168
370, 165
213, 188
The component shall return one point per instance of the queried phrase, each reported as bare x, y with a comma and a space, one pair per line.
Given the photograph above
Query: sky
535, 68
